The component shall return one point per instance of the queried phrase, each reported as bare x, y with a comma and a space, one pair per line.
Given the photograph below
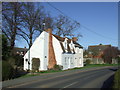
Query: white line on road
69, 85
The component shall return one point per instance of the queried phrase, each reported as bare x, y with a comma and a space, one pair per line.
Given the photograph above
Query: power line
60, 11
80, 24
96, 33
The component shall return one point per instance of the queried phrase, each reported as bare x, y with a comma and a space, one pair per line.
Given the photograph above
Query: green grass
95, 65
116, 83
50, 71
53, 71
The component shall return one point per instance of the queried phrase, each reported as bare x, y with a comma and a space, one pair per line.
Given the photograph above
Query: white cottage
52, 49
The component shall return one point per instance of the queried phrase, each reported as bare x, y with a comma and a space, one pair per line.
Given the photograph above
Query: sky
98, 17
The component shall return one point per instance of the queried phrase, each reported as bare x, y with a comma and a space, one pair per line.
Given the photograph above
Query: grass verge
52, 71
116, 83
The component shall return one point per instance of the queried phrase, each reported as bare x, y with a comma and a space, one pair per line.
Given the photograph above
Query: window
65, 61
80, 59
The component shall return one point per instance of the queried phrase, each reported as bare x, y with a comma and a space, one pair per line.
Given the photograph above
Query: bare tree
11, 21
109, 53
32, 22
65, 26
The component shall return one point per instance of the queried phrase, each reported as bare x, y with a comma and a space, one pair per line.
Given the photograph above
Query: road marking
70, 84
22, 84
54, 83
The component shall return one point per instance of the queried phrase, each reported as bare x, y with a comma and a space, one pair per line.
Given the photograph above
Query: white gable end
39, 49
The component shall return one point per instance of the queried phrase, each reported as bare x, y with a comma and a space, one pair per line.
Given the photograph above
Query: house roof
98, 47
17, 50
61, 39
20, 49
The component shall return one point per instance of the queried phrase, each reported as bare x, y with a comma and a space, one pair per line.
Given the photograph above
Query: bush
5, 48
7, 71
18, 60
88, 61
58, 67
35, 64
15, 60
11, 61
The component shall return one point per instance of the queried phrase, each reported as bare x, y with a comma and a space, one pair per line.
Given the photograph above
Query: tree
32, 22
109, 54
66, 27
11, 13
5, 48
85, 53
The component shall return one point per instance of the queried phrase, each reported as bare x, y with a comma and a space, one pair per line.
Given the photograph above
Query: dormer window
71, 46
65, 44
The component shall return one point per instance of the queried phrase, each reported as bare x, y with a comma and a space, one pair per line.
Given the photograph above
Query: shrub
35, 64
18, 60
58, 67
15, 60
88, 61
5, 48
7, 71
11, 61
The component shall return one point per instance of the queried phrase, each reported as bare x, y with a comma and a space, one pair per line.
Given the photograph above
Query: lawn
52, 71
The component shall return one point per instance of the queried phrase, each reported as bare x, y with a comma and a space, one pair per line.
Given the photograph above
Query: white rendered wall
81, 53
78, 57
67, 61
58, 50
38, 50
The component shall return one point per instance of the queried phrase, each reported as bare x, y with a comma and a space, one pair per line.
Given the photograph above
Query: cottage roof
61, 39
98, 47
20, 49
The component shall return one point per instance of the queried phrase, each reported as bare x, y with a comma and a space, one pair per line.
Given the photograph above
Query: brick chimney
74, 39
51, 53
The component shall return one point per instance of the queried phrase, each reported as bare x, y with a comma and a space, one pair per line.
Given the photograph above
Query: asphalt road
91, 78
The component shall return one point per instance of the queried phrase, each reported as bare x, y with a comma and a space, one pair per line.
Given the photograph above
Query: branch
24, 38
23, 32
5, 34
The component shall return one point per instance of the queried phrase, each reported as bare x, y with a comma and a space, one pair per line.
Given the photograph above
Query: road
88, 78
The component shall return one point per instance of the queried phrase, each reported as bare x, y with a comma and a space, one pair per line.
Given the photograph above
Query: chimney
51, 53
49, 30
74, 39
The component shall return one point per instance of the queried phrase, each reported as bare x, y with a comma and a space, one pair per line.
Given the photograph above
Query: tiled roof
97, 47
68, 41
62, 47
61, 39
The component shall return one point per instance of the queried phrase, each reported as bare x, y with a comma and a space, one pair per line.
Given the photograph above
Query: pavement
97, 77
